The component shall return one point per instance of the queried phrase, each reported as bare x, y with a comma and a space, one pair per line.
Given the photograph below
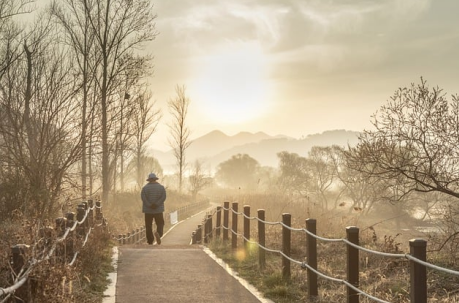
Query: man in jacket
153, 195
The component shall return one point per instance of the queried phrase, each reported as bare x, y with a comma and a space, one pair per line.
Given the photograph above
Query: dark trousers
159, 220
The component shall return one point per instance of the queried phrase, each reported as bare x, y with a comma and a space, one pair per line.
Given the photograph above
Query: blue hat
151, 177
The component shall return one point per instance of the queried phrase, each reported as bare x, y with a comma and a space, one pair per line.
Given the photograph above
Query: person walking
153, 196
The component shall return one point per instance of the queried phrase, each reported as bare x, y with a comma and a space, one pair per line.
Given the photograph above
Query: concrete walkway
176, 271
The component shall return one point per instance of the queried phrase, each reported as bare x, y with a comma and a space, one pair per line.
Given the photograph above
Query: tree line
74, 99
407, 163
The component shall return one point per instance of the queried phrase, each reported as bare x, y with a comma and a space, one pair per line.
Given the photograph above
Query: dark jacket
153, 196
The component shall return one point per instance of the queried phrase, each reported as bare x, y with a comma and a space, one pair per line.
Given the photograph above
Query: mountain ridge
216, 146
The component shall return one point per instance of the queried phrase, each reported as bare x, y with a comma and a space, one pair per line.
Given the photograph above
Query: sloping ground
176, 272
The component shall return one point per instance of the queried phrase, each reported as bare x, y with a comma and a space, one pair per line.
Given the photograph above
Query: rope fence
416, 257
57, 245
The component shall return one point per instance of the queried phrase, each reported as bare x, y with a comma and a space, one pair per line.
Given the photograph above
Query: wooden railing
61, 243
417, 256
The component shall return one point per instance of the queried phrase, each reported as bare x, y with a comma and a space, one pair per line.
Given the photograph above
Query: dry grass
382, 277
55, 281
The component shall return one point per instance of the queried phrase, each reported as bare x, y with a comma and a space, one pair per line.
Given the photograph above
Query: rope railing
83, 225
375, 252
417, 255
426, 264
304, 265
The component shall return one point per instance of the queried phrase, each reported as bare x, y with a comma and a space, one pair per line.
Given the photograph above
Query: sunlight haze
236, 77
298, 67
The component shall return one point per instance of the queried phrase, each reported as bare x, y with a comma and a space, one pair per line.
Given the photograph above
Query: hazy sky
298, 67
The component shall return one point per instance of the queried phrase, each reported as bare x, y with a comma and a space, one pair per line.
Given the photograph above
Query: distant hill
217, 142
216, 147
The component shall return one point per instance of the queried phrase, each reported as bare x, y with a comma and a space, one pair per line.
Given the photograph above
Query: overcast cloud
329, 64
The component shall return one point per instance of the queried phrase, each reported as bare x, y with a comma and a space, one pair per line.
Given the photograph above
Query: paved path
176, 271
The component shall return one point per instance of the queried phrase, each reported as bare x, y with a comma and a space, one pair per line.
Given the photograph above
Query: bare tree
147, 119
294, 174
180, 132
323, 173
314, 176
73, 18
136, 117
413, 146
198, 180
414, 142
11, 8
120, 27
39, 129
10, 32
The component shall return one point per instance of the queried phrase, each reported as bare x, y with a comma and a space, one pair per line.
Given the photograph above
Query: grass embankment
381, 277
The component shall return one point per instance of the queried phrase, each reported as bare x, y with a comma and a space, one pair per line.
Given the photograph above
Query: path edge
252, 289
109, 295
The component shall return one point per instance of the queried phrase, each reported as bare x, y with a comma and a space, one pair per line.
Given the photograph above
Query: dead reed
382, 277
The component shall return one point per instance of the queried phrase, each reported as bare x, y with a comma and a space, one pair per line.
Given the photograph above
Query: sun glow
231, 85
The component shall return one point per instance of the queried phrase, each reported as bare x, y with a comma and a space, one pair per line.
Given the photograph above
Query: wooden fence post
60, 226
86, 221
246, 227
199, 234
91, 213
61, 222
211, 226
18, 252
286, 239
352, 233
234, 226
81, 228
46, 234
261, 239
70, 240
225, 220
208, 229
219, 221
98, 211
418, 272
311, 253
193, 237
